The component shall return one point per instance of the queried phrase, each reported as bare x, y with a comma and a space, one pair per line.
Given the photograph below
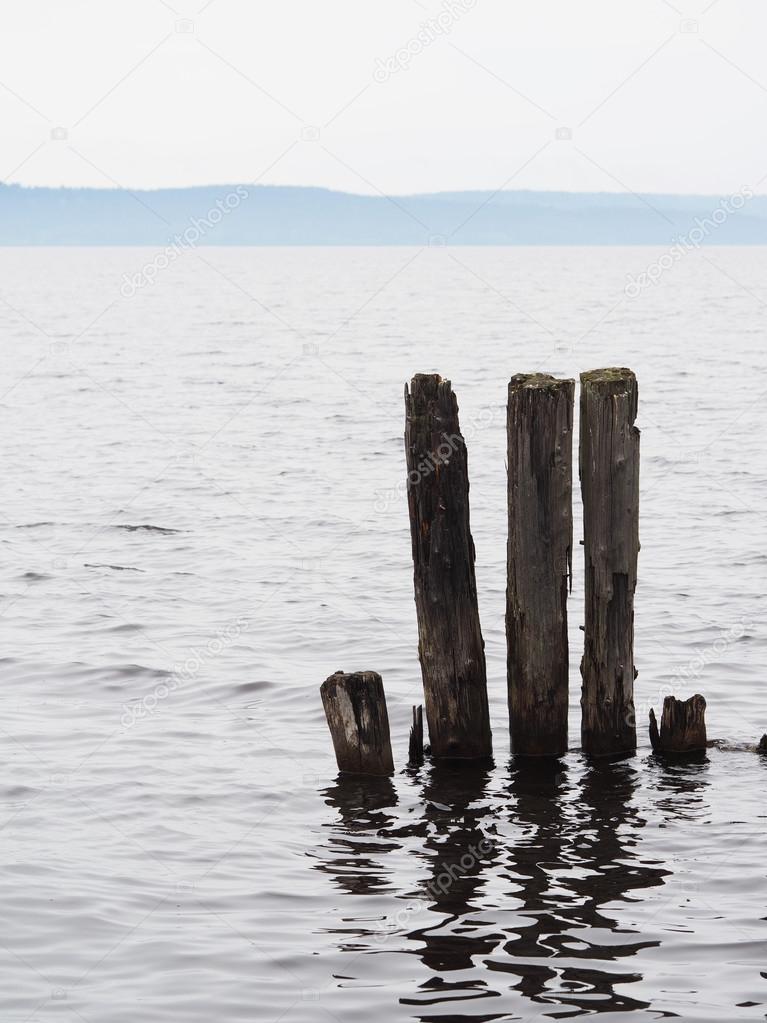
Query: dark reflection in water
521, 897
460, 849
680, 784
570, 869
358, 845
535, 793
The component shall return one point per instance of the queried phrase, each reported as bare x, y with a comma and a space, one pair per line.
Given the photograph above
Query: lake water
203, 517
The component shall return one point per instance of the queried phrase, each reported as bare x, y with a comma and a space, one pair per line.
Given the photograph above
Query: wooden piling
450, 645
539, 561
415, 749
682, 726
609, 472
355, 708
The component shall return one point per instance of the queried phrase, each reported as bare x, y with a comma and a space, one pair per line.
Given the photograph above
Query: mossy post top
541, 381
611, 376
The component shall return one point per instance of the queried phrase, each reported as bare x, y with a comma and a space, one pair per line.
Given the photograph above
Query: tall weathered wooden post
609, 471
539, 561
450, 644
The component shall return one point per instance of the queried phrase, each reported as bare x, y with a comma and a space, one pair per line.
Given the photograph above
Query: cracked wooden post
450, 645
355, 707
682, 726
609, 471
539, 561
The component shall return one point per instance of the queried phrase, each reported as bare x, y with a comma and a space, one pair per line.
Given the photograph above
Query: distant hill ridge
285, 215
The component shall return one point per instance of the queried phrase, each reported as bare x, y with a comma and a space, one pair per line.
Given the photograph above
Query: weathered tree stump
450, 645
415, 749
682, 726
355, 707
539, 561
609, 472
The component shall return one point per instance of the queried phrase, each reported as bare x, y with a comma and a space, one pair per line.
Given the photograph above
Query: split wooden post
450, 644
682, 726
355, 707
539, 561
415, 749
609, 472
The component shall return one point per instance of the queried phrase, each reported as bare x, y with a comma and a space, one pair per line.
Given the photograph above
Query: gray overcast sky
600, 95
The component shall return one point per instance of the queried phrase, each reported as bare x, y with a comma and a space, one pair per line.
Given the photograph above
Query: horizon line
622, 193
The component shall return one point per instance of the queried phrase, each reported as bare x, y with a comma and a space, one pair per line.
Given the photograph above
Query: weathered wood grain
450, 644
609, 472
682, 726
539, 561
355, 708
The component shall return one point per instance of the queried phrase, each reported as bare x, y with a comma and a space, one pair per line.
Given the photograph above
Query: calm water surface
203, 517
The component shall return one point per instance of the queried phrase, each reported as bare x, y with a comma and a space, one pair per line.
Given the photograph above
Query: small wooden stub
682, 726
415, 751
355, 707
